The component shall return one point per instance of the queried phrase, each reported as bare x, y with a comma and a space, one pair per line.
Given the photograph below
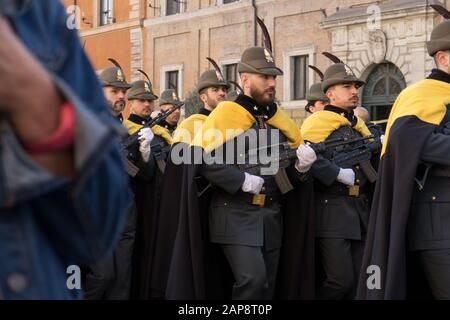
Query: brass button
326, 201
225, 204
357, 180
357, 167
17, 282
433, 198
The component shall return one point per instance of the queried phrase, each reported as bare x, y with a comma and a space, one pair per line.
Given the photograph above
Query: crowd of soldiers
223, 230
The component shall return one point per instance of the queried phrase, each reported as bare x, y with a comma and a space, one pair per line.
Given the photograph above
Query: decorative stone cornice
397, 9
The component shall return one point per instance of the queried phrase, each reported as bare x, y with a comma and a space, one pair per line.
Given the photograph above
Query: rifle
360, 155
286, 154
130, 140
130, 167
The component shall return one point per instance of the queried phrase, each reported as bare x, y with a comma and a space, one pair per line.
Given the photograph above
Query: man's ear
245, 79
203, 98
442, 59
329, 93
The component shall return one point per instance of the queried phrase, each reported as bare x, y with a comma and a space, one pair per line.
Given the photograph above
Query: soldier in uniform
410, 218
168, 101
245, 216
316, 98
110, 279
115, 88
148, 155
212, 89
341, 193
141, 104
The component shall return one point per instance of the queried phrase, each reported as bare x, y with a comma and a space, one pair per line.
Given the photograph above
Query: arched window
382, 87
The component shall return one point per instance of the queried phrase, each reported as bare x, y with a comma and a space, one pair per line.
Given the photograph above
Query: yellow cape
157, 130
427, 100
229, 119
321, 124
187, 129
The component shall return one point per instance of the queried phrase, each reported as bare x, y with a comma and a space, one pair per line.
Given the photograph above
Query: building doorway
383, 85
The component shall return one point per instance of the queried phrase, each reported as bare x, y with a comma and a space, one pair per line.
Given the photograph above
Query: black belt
262, 200
440, 171
339, 189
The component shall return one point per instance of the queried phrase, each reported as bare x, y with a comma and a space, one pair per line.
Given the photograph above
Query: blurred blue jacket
49, 223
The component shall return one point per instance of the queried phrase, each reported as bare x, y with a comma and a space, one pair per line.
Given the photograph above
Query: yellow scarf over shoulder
187, 129
157, 130
320, 125
229, 119
427, 100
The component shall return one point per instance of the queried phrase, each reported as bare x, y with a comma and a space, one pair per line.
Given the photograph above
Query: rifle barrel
149, 124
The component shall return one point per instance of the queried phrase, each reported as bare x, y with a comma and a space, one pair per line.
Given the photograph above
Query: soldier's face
261, 88
344, 96
116, 98
174, 117
213, 96
142, 108
318, 106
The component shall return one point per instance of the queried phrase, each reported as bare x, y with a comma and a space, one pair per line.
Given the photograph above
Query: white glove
382, 138
252, 184
306, 157
145, 138
346, 176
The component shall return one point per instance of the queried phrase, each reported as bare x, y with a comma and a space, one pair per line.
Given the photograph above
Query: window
383, 85
229, 1
299, 77
171, 77
106, 12
231, 74
172, 80
173, 7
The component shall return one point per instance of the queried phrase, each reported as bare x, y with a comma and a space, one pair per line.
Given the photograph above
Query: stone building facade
382, 41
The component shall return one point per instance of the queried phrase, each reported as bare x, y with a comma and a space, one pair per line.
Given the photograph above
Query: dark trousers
341, 260
110, 279
436, 266
254, 271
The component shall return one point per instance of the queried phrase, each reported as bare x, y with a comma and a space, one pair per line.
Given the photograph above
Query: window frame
225, 62
164, 8
163, 78
110, 18
306, 50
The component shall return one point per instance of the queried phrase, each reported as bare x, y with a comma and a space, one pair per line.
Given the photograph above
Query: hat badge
146, 87
268, 55
174, 96
119, 75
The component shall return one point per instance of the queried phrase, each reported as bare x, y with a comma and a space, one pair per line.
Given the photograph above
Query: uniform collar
137, 119
168, 126
256, 109
204, 111
437, 74
349, 115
